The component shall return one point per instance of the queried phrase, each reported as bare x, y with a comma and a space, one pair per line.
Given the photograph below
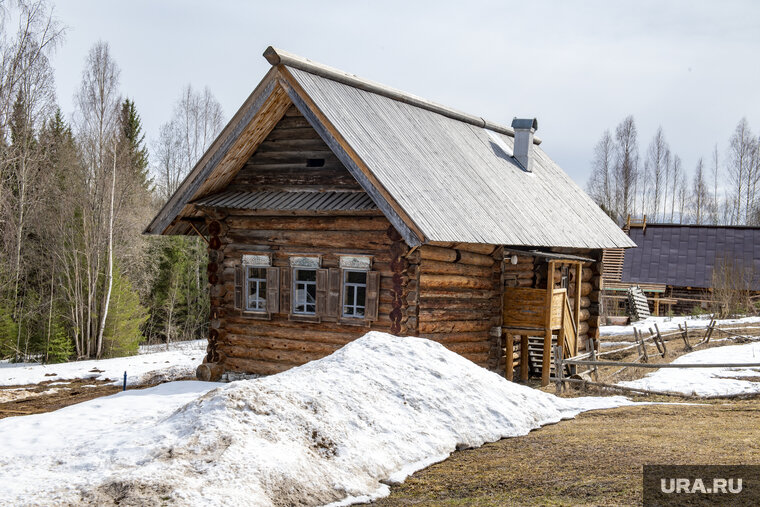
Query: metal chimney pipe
524, 129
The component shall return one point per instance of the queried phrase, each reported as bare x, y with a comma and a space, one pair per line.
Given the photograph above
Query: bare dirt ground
49, 396
594, 459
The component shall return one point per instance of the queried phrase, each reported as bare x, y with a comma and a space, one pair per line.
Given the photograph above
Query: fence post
125, 381
558, 373
662, 340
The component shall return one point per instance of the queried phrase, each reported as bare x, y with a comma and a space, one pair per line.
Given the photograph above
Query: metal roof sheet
311, 201
455, 180
685, 255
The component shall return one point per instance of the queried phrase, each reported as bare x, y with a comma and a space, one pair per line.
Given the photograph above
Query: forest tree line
719, 190
78, 279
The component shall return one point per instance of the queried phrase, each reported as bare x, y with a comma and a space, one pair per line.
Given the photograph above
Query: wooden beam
524, 358
197, 231
578, 282
547, 353
510, 354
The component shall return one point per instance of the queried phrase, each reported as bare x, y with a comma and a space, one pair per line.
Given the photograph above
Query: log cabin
333, 205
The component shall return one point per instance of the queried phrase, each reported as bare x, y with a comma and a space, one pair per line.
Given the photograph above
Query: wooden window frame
247, 292
294, 289
344, 289
272, 291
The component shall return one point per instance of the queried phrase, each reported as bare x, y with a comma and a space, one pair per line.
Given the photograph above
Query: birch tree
626, 168
700, 194
601, 183
97, 116
658, 154
740, 173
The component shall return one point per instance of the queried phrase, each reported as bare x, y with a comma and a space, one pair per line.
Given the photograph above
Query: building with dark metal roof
686, 255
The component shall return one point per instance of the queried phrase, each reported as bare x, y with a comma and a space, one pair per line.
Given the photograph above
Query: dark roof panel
685, 255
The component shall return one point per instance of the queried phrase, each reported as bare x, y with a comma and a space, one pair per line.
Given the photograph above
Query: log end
209, 372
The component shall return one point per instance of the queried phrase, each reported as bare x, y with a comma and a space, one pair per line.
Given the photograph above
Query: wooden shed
333, 205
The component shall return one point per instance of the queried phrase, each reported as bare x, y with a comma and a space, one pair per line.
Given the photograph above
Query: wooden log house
333, 205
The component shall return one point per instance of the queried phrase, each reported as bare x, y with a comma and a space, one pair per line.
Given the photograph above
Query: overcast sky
579, 67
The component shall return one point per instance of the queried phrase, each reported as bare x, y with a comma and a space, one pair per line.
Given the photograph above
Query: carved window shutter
285, 288
322, 292
333, 292
273, 290
238, 287
373, 295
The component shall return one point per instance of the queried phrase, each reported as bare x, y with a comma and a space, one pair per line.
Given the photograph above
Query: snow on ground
708, 381
145, 368
376, 410
671, 323
182, 345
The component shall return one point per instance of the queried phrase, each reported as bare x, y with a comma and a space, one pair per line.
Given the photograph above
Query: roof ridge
277, 56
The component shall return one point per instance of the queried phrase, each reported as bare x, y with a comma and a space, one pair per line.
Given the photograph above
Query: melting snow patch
671, 324
141, 369
333, 430
707, 381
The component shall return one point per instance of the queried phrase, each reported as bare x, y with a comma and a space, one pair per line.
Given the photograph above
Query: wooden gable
293, 157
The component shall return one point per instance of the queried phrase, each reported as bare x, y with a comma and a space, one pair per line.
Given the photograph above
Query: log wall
458, 298
241, 342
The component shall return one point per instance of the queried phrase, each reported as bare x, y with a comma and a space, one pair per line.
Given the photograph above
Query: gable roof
438, 175
685, 255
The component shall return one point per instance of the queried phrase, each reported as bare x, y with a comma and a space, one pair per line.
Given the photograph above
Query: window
305, 291
255, 289
354, 293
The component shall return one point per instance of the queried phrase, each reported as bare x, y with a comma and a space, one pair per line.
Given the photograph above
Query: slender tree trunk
50, 318
109, 275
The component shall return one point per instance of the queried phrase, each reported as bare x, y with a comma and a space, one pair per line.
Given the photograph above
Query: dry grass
595, 459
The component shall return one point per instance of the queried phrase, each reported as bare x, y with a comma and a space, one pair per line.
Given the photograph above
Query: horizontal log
434, 304
469, 347
325, 239
583, 328
281, 356
301, 330
242, 365
453, 293
477, 248
453, 281
585, 289
268, 342
450, 268
474, 336
441, 254
308, 223
443, 314
522, 260
586, 275
456, 326
584, 314
435, 253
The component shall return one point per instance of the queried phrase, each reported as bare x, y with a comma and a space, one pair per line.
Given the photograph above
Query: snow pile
707, 381
376, 410
141, 369
671, 324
